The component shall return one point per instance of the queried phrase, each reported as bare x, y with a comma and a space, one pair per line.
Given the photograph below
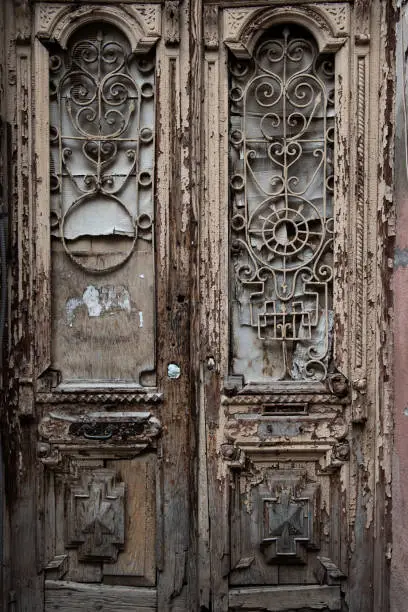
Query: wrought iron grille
281, 208
102, 148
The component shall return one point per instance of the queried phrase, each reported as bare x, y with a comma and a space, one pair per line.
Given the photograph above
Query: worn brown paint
211, 443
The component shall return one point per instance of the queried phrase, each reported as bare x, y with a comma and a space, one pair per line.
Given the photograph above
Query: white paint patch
141, 275
90, 298
140, 318
99, 301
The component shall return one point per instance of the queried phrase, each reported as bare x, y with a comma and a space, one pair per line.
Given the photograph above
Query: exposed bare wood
66, 596
277, 599
176, 581
137, 561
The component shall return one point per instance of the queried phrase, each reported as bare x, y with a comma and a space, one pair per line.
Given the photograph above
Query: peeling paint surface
399, 560
332, 450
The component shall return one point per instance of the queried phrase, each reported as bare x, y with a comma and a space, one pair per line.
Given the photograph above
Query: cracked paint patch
99, 301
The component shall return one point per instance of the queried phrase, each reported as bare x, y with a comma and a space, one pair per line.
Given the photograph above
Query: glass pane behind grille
281, 209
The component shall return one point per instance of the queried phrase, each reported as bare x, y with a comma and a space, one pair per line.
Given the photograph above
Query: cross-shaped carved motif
286, 521
96, 516
288, 525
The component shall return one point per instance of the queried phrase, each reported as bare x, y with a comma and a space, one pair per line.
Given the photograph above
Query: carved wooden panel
95, 521
100, 519
289, 524
283, 518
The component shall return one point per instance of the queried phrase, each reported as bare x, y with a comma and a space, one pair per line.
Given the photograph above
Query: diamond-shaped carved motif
96, 516
289, 524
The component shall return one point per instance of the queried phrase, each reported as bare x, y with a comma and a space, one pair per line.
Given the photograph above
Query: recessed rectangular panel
102, 214
103, 325
136, 563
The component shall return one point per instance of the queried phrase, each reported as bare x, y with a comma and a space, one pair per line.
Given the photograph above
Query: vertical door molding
178, 119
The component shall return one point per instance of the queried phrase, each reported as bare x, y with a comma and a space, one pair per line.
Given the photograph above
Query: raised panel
95, 516
101, 520
284, 517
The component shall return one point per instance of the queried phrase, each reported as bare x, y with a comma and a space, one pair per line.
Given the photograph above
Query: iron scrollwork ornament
102, 147
281, 208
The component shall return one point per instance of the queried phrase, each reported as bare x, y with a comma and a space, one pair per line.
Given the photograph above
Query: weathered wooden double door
198, 384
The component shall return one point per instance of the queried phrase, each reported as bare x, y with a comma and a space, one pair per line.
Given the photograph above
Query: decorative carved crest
96, 516
47, 15
141, 24
150, 15
242, 27
234, 19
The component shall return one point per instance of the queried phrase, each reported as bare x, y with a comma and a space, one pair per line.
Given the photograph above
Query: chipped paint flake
70, 308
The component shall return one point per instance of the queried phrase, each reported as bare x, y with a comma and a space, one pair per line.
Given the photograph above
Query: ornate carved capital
211, 26
172, 22
23, 20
